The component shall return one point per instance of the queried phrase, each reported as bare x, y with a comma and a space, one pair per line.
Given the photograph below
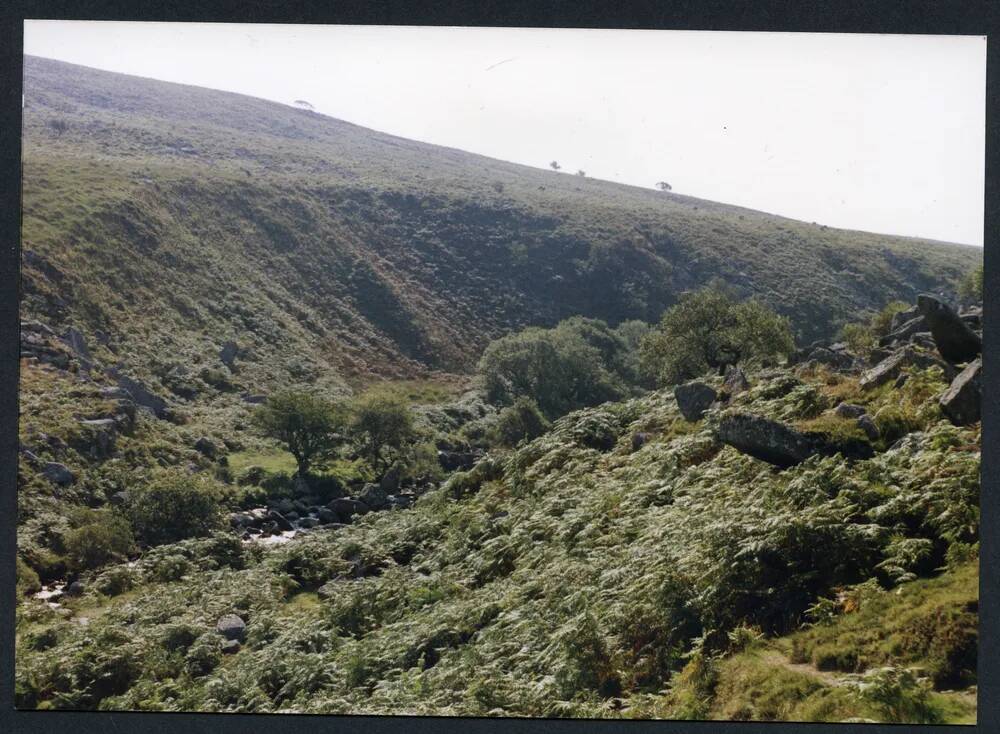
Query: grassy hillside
173, 219
576, 575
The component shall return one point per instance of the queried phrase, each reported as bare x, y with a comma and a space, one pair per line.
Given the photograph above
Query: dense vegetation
231, 500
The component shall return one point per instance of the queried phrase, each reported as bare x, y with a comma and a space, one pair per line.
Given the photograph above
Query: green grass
273, 461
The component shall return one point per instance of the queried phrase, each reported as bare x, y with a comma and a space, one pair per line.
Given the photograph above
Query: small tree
101, 537
581, 173
664, 186
307, 425
710, 329
520, 421
382, 426
555, 166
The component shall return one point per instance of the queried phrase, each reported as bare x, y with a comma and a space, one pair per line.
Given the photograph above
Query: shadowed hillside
172, 219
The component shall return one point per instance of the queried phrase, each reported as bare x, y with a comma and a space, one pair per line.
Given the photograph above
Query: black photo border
961, 17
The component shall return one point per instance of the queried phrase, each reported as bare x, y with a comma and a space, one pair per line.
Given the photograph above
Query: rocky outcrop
347, 508
905, 332
955, 340
693, 399
228, 353
735, 380
890, 368
849, 410
962, 401
98, 437
780, 444
142, 396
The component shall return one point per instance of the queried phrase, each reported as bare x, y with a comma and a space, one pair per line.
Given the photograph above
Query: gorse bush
172, 506
709, 330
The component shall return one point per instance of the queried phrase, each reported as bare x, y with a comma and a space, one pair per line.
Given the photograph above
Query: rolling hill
164, 220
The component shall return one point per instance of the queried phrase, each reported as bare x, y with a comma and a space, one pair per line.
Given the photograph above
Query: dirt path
778, 659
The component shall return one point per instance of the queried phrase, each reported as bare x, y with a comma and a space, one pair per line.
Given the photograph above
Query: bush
710, 329
520, 421
27, 580
104, 538
898, 695
174, 506
114, 581
557, 368
971, 287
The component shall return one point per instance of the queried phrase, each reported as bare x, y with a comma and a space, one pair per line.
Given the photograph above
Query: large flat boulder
962, 401
890, 368
693, 399
780, 444
955, 340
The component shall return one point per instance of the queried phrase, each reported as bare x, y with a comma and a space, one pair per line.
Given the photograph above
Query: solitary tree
382, 426
710, 329
664, 186
555, 166
307, 425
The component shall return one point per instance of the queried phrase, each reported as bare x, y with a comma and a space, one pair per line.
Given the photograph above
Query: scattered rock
901, 317
389, 482
458, 460
228, 353
99, 436
279, 520
230, 647
206, 447
867, 424
900, 381
346, 508
142, 396
693, 399
956, 342
308, 522
836, 359
640, 439
58, 473
904, 332
849, 410
327, 516
76, 588
253, 399
735, 380
962, 401
232, 627
890, 368
374, 496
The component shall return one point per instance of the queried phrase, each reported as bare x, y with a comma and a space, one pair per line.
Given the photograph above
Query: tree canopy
710, 329
382, 426
309, 426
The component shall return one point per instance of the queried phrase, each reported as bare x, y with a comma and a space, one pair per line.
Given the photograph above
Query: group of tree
578, 362
375, 426
582, 362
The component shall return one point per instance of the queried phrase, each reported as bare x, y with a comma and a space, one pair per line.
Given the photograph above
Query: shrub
557, 368
710, 329
308, 426
898, 695
114, 581
971, 287
881, 323
27, 580
105, 538
520, 421
174, 506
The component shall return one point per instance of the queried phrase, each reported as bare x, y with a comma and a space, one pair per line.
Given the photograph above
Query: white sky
884, 133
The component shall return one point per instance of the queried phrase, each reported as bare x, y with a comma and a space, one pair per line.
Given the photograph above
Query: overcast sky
872, 132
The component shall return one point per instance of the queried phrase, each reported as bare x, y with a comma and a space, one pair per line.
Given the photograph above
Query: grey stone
232, 627
279, 520
374, 496
867, 424
58, 473
228, 353
389, 482
962, 401
780, 444
735, 380
904, 332
230, 647
346, 508
693, 399
889, 369
956, 342
640, 439
206, 447
849, 410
